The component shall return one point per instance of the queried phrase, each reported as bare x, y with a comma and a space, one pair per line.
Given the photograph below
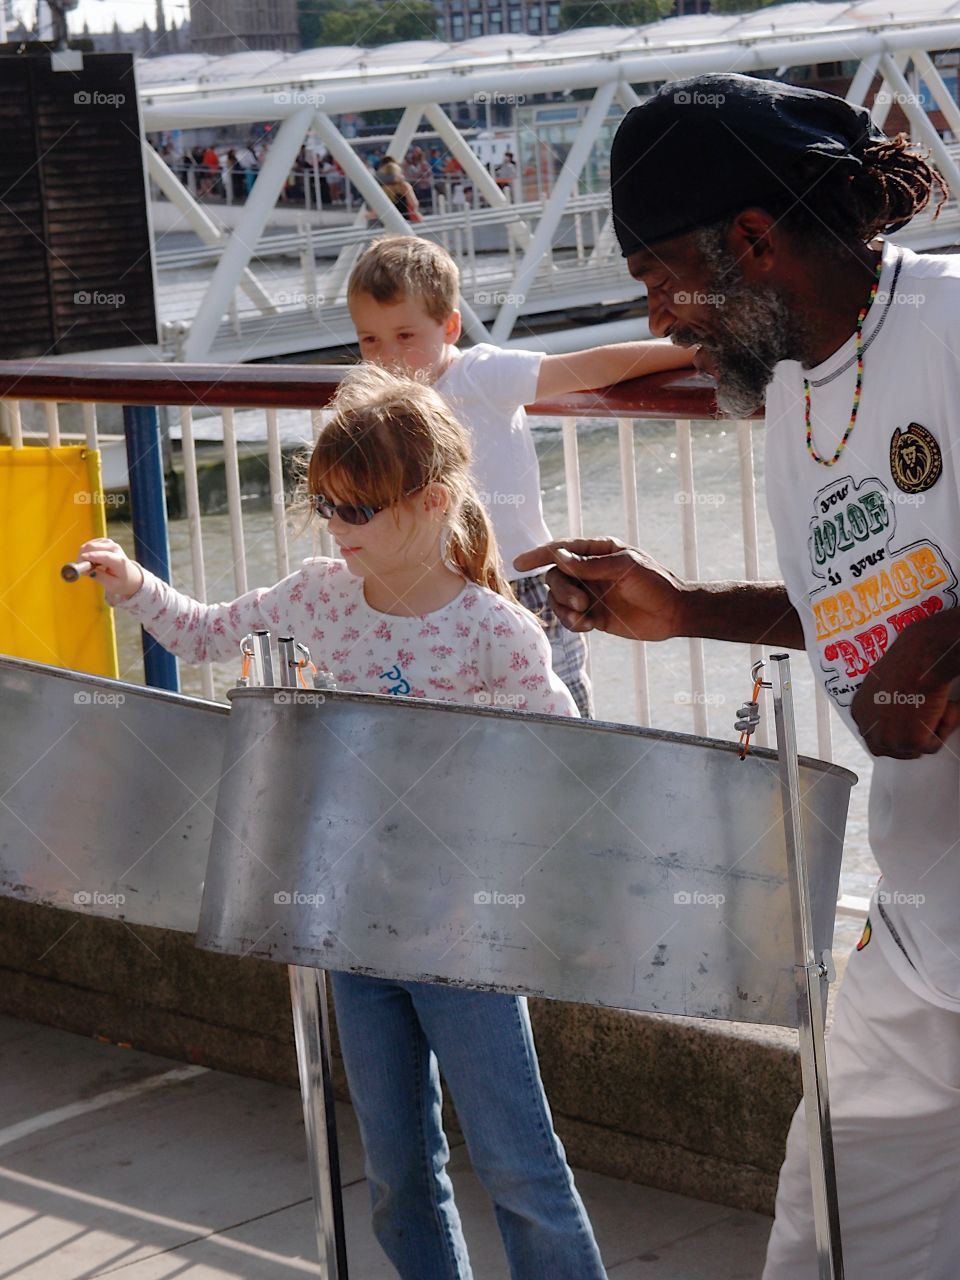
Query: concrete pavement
120, 1163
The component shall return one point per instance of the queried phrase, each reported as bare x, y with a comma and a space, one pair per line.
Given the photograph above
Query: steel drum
577, 860
108, 794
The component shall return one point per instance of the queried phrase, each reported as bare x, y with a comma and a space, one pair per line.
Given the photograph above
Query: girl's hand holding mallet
106, 560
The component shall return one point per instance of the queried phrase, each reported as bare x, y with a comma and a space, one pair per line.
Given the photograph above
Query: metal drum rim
260, 692
85, 677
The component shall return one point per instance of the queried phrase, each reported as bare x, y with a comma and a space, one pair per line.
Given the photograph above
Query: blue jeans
393, 1035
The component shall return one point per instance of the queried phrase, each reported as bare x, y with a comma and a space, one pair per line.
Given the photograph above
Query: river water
721, 556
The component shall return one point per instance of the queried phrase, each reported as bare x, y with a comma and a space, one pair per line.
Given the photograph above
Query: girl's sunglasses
349, 512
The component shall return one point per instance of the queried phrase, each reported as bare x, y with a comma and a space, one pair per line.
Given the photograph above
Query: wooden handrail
222, 386
680, 394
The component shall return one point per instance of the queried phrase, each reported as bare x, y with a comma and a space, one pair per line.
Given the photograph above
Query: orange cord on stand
305, 662
748, 717
248, 655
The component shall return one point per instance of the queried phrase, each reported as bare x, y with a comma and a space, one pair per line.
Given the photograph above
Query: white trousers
894, 1079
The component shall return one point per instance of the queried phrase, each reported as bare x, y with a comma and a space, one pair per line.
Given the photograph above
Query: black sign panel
75, 252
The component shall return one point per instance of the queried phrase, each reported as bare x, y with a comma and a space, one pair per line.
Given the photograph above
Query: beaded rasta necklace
828, 462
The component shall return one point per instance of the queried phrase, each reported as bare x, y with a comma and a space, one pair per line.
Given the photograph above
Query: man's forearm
743, 612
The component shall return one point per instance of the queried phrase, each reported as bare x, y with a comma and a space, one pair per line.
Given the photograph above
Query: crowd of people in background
414, 182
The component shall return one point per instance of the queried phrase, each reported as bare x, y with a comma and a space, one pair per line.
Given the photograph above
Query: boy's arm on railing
599, 583
606, 366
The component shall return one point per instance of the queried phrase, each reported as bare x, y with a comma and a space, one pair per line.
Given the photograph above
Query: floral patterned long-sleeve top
479, 649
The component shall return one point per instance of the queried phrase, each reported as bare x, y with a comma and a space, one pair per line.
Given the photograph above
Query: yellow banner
50, 502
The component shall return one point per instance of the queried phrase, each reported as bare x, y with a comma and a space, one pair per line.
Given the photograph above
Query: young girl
417, 605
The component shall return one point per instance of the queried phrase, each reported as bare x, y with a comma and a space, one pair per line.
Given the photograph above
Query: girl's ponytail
472, 547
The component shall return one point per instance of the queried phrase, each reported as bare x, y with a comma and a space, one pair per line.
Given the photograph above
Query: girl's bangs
346, 469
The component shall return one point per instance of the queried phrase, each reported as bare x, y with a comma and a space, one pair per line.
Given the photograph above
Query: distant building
234, 26
467, 19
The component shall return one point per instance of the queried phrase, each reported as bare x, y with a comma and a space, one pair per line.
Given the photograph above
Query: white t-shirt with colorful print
480, 649
868, 547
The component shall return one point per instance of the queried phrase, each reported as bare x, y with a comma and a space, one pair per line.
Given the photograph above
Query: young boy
403, 294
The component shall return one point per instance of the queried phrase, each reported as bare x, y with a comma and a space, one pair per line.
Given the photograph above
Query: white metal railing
447, 218
52, 433
304, 187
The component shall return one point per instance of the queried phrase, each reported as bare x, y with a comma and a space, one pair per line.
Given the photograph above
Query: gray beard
759, 328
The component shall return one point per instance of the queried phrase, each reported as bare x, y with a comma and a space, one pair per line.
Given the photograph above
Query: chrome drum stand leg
812, 974
311, 1025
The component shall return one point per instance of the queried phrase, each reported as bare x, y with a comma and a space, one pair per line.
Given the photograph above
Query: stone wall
700, 1108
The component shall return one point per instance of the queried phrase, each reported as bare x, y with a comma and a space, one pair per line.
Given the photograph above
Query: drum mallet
76, 569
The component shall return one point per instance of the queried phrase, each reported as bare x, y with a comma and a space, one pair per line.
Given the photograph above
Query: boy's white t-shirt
487, 387
872, 544
480, 649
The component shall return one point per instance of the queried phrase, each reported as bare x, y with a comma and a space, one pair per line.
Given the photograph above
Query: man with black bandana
751, 210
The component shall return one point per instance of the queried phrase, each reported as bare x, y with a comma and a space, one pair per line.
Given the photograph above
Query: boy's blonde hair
393, 266
392, 435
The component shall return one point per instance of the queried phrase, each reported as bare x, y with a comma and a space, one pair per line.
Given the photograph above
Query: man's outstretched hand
600, 583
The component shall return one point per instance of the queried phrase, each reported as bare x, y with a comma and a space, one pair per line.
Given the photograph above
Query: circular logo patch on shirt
915, 459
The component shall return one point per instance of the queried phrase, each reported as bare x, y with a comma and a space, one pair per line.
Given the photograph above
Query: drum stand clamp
257, 656
748, 717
